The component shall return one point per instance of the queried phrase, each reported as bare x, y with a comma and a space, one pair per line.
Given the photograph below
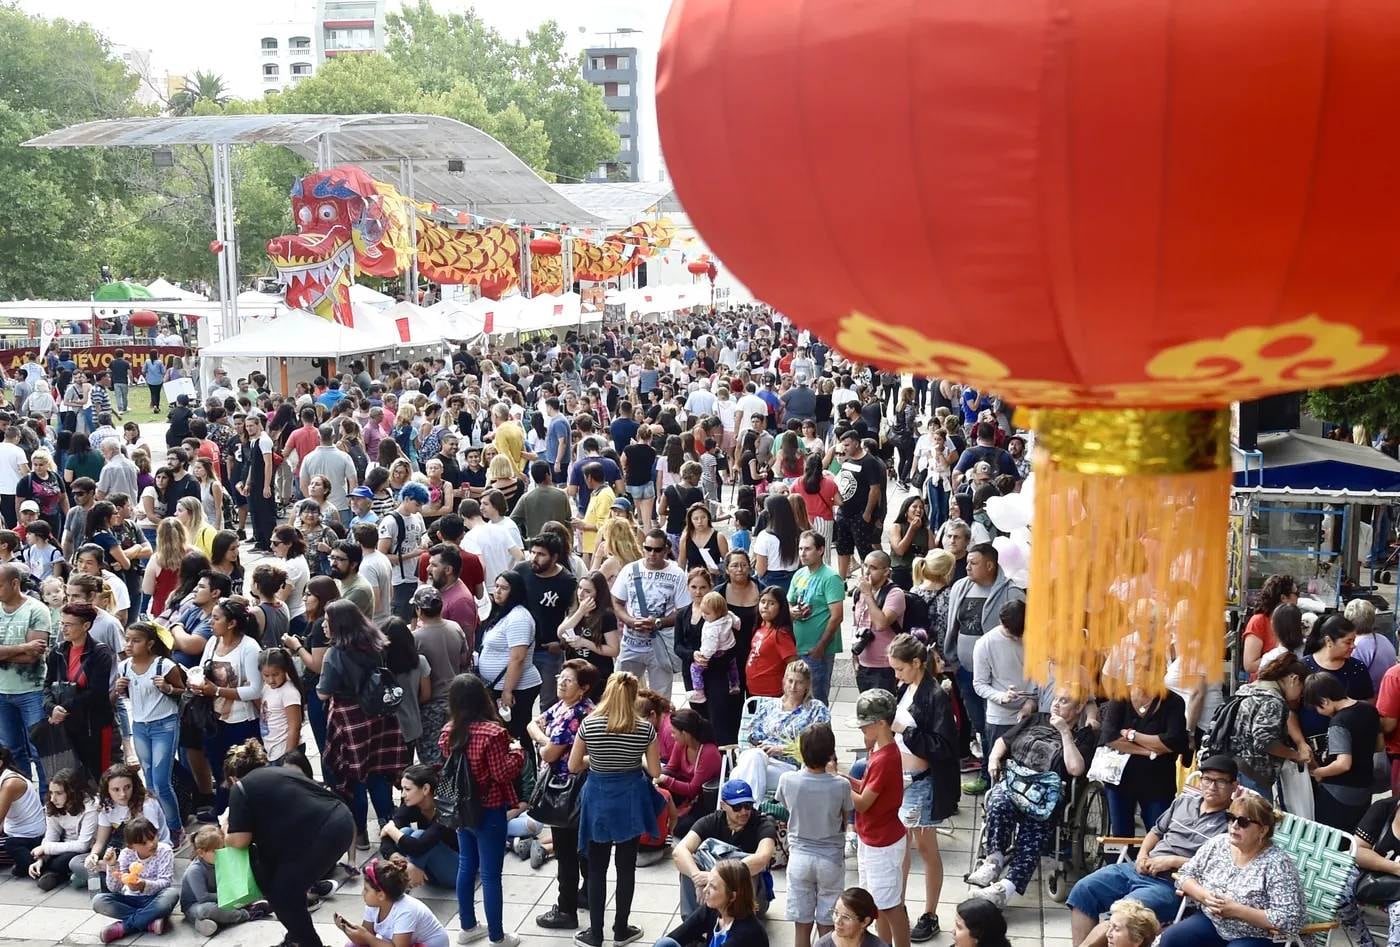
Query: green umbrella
121, 291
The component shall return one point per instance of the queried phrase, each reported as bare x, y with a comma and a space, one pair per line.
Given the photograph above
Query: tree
55, 212
538, 77
349, 85
1373, 404
204, 87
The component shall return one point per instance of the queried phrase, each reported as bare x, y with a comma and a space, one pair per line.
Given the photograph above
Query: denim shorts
916, 811
645, 492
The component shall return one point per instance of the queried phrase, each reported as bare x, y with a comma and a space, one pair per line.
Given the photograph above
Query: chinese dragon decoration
1121, 217
348, 223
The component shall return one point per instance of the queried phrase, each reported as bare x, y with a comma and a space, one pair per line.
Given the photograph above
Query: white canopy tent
161, 289
390, 325
650, 300
297, 334
361, 295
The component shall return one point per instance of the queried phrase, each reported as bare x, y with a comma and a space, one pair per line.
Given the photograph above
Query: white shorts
813, 885
881, 872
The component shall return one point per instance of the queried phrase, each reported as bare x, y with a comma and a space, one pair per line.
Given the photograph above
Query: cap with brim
363, 493
622, 503
29, 506
736, 792
426, 597
872, 706
1220, 763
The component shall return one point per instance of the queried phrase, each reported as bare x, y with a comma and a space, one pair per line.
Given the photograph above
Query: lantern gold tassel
1128, 545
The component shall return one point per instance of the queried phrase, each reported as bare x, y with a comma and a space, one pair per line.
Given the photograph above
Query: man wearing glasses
646, 595
738, 824
1193, 818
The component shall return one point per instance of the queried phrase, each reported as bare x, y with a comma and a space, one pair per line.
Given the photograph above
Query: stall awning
1304, 462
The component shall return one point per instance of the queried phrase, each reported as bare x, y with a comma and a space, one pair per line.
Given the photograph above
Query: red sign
93, 356
559, 309
490, 325
402, 323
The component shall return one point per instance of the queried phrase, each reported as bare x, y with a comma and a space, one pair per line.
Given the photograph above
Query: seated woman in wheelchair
1029, 765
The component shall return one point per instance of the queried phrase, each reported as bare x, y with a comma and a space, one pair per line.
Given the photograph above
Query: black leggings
626, 862
285, 882
566, 854
155, 396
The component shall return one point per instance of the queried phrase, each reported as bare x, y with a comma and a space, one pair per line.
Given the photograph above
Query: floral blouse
1269, 882
772, 724
561, 723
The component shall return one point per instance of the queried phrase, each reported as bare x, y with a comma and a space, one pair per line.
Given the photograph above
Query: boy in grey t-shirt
819, 804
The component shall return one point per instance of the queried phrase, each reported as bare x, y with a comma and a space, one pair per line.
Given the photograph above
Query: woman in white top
40, 401
507, 651
232, 678
290, 547
211, 492
152, 681
22, 812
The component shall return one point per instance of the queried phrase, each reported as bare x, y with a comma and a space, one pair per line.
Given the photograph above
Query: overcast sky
185, 35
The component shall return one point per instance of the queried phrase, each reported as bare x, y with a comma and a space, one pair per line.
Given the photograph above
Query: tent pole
524, 263
283, 371
231, 326
410, 274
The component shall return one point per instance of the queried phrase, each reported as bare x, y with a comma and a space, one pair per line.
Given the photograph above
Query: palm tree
202, 87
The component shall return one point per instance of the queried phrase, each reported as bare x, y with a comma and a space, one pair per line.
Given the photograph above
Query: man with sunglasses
647, 594
1193, 818
736, 824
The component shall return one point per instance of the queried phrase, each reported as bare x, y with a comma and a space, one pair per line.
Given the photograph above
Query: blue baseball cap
736, 792
364, 493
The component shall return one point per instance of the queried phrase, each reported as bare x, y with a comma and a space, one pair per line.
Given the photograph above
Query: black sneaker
588, 939
627, 935
49, 880
557, 920
926, 929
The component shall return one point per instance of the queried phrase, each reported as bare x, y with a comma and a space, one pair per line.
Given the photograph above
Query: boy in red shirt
883, 837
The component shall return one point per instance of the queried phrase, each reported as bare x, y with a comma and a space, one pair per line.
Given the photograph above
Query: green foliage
202, 87
53, 217
538, 77
1375, 404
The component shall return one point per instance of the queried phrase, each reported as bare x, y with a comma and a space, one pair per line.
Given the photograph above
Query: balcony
597, 76
270, 50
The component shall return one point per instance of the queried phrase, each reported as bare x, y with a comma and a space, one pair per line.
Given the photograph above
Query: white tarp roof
297, 334
383, 324
161, 289
363, 295
654, 299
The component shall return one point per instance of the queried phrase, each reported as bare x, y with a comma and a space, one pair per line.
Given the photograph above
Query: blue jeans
1197, 930
121, 392
155, 748
316, 716
1095, 892
376, 787
1121, 804
18, 713
439, 863
936, 499
821, 676
402, 605
482, 849
226, 735
137, 911
549, 666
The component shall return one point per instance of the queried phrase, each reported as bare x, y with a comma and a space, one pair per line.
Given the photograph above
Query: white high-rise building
283, 49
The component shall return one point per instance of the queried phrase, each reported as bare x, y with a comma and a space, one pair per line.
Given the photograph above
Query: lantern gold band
1134, 441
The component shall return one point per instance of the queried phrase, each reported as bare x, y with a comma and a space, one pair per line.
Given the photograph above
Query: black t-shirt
548, 600
282, 808
1035, 743
1377, 828
1143, 777
412, 817
1354, 677
474, 478
716, 825
1354, 730
641, 463
854, 482
121, 371
622, 431
678, 500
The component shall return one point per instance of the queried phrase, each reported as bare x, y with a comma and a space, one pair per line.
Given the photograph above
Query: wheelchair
1079, 825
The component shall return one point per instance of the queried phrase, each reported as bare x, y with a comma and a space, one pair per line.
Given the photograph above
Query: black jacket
699, 927
90, 706
934, 737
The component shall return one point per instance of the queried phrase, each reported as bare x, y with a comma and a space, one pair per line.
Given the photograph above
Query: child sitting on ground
390, 911
199, 890
139, 880
71, 817
716, 644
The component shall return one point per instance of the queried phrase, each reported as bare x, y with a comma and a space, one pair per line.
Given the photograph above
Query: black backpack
456, 798
1221, 736
379, 694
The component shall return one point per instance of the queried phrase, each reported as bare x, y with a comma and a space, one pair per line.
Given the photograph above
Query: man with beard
458, 604
345, 557
549, 594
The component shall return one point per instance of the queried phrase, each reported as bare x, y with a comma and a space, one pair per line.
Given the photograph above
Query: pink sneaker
113, 931
160, 925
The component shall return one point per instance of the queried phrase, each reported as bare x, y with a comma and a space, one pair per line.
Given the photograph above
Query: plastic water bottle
504, 711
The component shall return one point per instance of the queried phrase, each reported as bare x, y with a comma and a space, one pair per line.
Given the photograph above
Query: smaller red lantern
216, 247
711, 270
698, 267
545, 246
143, 319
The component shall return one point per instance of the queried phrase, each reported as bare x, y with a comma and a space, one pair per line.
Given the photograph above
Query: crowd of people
540, 600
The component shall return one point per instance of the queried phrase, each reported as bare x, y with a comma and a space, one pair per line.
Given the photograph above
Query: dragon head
346, 223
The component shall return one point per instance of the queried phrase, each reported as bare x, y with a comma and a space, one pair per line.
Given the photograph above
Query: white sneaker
999, 894
472, 934
206, 927
509, 940
985, 874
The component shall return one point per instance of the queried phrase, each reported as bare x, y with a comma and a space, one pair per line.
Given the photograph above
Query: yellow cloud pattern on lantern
1247, 363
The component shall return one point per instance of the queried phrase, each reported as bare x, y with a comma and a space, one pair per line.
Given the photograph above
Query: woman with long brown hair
591, 632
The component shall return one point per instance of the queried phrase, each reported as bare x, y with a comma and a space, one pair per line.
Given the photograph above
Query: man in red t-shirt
303, 440
883, 837
1388, 706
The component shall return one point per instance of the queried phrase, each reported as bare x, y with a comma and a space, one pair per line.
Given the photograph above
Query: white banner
47, 330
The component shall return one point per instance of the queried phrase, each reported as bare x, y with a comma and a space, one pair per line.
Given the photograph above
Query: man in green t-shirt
24, 636
818, 598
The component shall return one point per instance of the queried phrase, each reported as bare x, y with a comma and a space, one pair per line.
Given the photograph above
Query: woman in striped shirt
619, 805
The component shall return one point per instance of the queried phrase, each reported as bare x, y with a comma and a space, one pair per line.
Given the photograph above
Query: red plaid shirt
494, 764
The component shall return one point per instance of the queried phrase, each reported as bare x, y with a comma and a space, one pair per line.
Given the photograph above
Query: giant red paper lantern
1124, 215
143, 319
545, 246
697, 267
